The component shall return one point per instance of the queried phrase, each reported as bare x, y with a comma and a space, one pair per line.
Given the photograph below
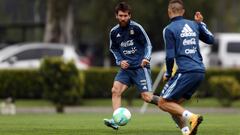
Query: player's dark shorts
140, 77
182, 85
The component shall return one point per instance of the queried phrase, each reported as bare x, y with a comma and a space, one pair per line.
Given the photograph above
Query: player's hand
144, 63
124, 64
166, 77
198, 17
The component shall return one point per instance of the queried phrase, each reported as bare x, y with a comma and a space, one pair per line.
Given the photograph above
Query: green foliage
91, 83
62, 83
98, 82
151, 14
205, 89
58, 8
226, 89
130, 94
20, 84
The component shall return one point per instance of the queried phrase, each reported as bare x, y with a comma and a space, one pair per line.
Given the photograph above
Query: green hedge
96, 82
20, 84
205, 90
227, 89
99, 81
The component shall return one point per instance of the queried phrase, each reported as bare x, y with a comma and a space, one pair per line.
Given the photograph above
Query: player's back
187, 52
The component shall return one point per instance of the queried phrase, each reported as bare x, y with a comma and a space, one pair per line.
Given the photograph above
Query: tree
103, 11
59, 21
62, 84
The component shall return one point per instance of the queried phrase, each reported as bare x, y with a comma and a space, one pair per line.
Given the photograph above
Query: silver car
29, 55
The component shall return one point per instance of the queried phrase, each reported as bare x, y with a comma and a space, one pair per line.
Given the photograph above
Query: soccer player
131, 48
181, 39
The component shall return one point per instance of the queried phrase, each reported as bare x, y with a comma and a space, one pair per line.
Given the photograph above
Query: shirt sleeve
169, 42
115, 49
144, 39
205, 35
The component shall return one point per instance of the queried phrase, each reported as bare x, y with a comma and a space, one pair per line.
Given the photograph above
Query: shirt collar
176, 18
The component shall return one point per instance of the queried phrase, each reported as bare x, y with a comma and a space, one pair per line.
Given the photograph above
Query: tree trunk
59, 21
59, 108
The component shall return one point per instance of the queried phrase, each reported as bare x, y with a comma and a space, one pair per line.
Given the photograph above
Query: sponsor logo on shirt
131, 51
191, 51
191, 41
187, 31
127, 43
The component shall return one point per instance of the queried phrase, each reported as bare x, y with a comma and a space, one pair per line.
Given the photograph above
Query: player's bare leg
117, 90
182, 124
180, 121
177, 110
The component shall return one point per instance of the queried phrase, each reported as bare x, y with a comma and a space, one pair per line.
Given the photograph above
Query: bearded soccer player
131, 47
181, 39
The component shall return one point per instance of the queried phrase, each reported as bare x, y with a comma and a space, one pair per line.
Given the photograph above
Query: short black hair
176, 1
123, 6
176, 5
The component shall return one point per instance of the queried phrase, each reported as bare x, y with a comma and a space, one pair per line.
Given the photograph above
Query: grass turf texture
92, 124
201, 102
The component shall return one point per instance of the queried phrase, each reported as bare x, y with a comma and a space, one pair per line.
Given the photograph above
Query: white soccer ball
121, 116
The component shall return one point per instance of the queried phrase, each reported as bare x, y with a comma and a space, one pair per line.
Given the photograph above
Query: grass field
91, 124
201, 102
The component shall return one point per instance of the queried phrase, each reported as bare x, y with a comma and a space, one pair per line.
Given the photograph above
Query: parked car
29, 55
226, 50
157, 58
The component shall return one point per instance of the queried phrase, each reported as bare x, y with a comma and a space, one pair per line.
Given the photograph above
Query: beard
123, 23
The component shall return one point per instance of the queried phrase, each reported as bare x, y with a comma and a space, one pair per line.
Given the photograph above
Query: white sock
185, 130
187, 115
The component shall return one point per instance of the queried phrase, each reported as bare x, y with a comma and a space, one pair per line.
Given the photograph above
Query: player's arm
169, 42
205, 35
144, 39
115, 49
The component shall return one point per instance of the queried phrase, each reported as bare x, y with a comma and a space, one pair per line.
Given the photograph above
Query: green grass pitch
92, 124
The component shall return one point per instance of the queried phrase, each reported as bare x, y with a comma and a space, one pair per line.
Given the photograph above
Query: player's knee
116, 91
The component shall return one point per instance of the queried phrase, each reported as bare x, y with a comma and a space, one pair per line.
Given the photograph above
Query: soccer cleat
195, 121
111, 123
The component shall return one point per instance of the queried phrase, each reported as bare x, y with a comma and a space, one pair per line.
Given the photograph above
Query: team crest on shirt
132, 32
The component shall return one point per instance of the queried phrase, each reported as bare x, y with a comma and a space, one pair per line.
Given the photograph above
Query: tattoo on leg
154, 100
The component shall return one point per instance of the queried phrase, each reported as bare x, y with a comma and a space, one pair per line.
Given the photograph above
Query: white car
157, 58
226, 50
29, 55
